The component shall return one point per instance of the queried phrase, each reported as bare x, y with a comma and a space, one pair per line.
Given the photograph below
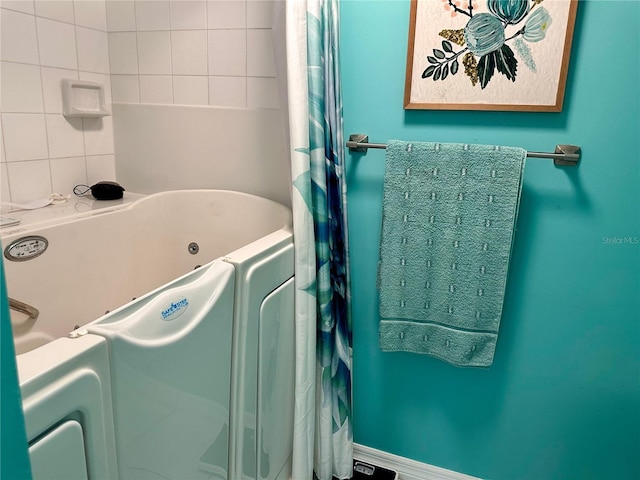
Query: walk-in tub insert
180, 359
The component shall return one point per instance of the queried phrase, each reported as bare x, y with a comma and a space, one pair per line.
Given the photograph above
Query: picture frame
504, 55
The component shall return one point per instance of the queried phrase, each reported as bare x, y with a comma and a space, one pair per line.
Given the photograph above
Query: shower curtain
323, 438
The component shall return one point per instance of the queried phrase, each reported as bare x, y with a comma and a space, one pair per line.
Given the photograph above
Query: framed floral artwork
488, 54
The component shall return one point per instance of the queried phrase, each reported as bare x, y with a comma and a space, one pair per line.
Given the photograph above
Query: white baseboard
407, 469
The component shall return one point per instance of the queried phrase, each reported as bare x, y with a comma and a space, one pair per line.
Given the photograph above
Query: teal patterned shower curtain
323, 438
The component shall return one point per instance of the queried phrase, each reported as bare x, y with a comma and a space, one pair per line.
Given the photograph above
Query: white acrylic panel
223, 148
276, 367
60, 454
62, 379
172, 364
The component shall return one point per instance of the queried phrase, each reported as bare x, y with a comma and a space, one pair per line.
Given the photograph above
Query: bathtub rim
100, 207
282, 226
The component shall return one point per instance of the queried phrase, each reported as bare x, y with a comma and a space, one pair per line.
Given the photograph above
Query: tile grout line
44, 118
84, 141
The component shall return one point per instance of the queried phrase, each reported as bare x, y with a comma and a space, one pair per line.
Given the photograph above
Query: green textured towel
448, 221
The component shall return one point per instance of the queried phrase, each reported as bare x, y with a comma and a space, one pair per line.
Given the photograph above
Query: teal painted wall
14, 463
562, 399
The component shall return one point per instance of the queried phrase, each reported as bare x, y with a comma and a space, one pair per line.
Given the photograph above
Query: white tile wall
100, 167
123, 53
2, 154
189, 52
190, 90
121, 16
43, 42
98, 135
29, 180
228, 52
25, 136
125, 88
262, 93
91, 14
225, 14
152, 15
93, 50
21, 88
215, 52
228, 91
156, 89
5, 194
189, 15
19, 41
24, 6
57, 44
61, 10
154, 53
260, 13
260, 58
64, 136
66, 173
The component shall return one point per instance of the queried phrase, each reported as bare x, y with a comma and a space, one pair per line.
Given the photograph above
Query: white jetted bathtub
163, 343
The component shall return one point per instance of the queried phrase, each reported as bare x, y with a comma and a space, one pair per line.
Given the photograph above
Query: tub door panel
275, 383
60, 454
171, 362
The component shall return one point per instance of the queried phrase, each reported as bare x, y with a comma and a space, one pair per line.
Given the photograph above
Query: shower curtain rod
567, 155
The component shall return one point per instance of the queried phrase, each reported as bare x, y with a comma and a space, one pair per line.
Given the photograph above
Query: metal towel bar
565, 155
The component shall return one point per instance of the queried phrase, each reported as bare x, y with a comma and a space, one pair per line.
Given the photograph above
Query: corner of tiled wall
42, 151
189, 52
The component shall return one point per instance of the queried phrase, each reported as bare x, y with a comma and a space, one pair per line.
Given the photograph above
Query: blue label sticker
175, 309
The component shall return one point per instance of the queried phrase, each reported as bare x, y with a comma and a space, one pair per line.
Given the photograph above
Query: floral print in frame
488, 54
